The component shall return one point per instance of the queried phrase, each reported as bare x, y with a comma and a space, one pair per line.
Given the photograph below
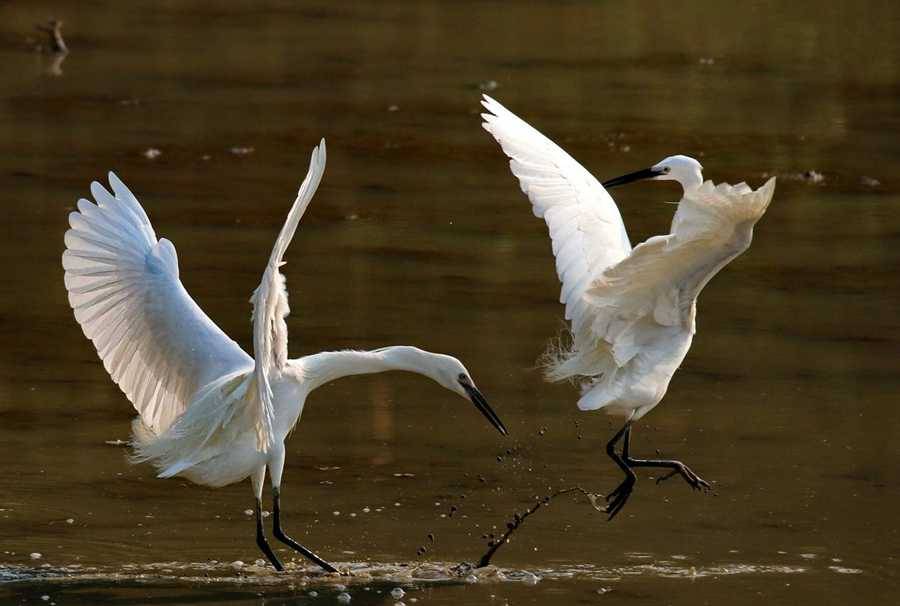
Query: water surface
419, 235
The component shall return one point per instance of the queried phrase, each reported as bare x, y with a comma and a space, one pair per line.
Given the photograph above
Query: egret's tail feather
204, 431
568, 359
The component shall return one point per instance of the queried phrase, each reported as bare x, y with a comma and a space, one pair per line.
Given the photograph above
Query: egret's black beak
647, 173
482, 405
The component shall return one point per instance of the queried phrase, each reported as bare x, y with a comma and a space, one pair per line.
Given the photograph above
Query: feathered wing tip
739, 202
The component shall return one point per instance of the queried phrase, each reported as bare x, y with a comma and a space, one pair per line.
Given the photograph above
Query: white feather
585, 226
123, 285
270, 307
632, 311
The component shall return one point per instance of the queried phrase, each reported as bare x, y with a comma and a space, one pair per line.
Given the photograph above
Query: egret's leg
258, 478
617, 498
693, 480
276, 466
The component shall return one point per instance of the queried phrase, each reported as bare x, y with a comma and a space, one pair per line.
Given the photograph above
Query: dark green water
787, 401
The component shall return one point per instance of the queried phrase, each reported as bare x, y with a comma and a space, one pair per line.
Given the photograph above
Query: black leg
693, 480
261, 539
279, 534
617, 498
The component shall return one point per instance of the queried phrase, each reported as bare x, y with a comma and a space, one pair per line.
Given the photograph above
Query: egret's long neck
691, 181
327, 366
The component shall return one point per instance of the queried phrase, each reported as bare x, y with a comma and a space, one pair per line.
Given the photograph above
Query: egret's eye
463, 378
667, 169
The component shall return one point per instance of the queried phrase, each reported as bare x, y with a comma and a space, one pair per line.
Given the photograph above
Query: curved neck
691, 182
321, 368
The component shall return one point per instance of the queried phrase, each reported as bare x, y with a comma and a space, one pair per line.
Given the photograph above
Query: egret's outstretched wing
270, 304
658, 284
585, 225
123, 284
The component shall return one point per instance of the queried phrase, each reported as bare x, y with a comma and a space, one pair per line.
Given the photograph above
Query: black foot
693, 480
267, 550
263, 543
616, 500
281, 536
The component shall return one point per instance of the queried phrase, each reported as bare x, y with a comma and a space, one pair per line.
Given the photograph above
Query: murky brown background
787, 401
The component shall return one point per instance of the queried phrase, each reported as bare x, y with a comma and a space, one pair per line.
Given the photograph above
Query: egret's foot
617, 498
267, 551
279, 534
284, 538
693, 480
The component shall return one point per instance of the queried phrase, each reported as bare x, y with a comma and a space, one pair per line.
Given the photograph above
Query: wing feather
270, 306
123, 286
584, 223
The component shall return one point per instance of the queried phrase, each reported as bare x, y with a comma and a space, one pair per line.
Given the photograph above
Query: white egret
631, 311
207, 410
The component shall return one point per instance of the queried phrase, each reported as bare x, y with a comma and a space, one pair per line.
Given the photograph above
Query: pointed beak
485, 408
647, 173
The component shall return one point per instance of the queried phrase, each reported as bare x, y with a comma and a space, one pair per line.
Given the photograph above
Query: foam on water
399, 574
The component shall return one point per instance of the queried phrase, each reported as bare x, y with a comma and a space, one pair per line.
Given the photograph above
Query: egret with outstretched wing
207, 410
631, 310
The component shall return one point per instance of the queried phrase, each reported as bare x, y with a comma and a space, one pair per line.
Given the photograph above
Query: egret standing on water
631, 311
208, 411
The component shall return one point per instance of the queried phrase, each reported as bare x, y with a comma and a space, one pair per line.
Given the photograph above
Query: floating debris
488, 85
116, 442
397, 593
869, 181
55, 42
344, 598
404, 475
843, 570
151, 153
35, 556
393, 108
242, 150
807, 176
707, 61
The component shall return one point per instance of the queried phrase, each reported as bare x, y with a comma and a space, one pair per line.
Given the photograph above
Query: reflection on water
787, 399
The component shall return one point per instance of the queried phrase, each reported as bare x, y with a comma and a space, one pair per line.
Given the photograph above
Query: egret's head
451, 374
684, 169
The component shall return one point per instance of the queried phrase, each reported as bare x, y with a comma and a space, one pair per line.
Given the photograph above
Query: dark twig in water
519, 518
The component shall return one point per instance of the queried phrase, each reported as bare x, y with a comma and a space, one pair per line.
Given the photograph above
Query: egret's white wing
584, 223
270, 305
658, 284
154, 340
